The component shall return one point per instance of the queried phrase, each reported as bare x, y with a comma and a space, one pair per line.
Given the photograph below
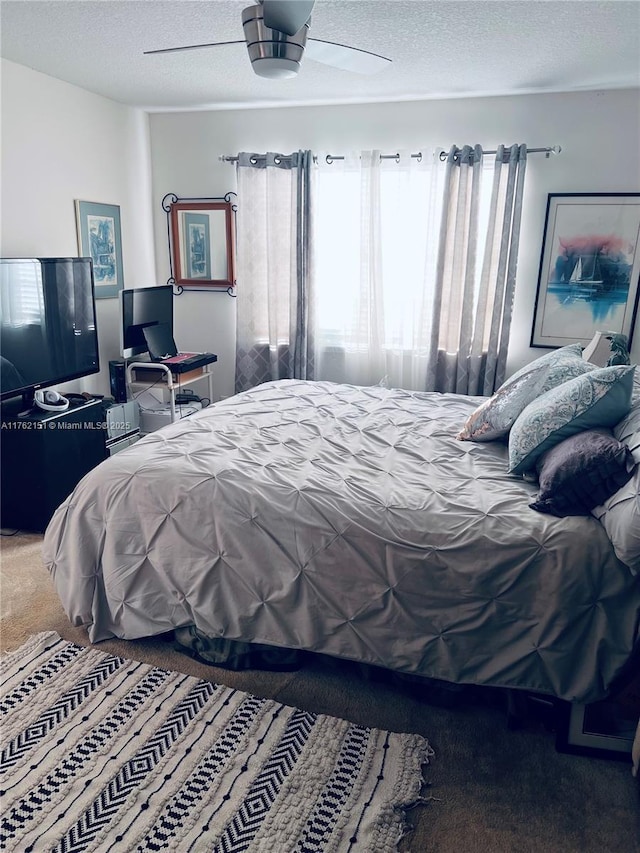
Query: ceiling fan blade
345, 57
287, 16
191, 47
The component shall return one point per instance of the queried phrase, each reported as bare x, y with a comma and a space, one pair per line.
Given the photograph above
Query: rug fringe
421, 801
406, 827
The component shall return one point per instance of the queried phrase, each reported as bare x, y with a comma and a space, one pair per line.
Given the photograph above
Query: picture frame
604, 729
100, 238
589, 268
201, 234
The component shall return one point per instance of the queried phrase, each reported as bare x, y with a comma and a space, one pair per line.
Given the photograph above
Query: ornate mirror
201, 233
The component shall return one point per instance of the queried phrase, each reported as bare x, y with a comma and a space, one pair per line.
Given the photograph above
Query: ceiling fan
275, 32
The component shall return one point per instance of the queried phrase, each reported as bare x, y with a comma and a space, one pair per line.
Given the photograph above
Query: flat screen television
142, 307
48, 329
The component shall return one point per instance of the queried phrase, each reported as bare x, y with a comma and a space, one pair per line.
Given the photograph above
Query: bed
348, 521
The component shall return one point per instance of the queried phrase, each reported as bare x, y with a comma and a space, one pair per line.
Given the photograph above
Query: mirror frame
174, 206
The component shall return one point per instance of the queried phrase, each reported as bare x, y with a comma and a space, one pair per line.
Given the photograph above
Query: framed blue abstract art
589, 268
99, 238
197, 245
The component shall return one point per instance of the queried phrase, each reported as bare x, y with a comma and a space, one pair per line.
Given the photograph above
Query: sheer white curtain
273, 333
369, 269
375, 236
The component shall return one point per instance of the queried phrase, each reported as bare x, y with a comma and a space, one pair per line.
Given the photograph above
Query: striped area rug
101, 753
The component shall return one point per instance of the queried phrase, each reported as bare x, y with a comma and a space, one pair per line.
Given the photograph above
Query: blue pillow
599, 398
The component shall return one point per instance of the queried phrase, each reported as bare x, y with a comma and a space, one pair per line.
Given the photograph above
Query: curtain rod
554, 149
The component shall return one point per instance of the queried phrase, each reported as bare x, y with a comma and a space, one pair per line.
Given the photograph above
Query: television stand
144, 375
44, 457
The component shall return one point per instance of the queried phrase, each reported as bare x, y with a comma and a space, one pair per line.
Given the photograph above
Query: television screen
47, 323
141, 308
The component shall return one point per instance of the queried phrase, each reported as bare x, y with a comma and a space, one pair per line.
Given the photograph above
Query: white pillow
620, 515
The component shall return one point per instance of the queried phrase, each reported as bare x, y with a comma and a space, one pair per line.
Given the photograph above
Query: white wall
599, 133
61, 143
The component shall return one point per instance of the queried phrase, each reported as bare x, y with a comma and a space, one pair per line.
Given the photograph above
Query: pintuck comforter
347, 521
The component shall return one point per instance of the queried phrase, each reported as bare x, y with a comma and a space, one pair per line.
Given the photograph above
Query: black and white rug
101, 753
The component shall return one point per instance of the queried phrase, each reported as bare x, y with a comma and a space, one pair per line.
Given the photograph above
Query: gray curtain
274, 305
475, 276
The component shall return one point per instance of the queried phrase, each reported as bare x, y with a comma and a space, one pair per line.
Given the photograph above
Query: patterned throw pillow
599, 398
564, 363
581, 472
494, 418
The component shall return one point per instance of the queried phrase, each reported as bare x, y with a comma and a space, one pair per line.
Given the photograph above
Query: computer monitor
142, 307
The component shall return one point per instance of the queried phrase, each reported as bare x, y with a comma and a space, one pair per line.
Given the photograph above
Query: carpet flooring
492, 790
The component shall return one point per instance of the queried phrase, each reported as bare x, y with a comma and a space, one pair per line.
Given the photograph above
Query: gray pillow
582, 472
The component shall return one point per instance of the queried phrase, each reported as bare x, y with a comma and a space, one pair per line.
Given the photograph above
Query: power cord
146, 390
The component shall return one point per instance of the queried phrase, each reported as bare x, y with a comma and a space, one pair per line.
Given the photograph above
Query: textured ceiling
439, 48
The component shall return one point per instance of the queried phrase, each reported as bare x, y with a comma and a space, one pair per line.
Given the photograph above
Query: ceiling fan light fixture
275, 68
273, 54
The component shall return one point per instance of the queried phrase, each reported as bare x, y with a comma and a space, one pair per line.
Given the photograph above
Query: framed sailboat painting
589, 268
